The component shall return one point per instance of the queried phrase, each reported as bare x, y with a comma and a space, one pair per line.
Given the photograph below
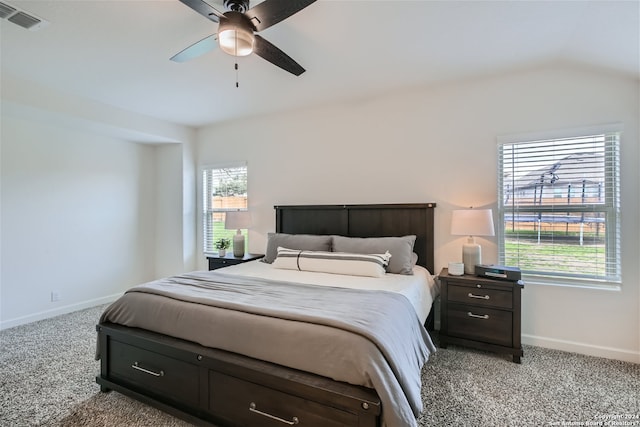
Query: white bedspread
420, 288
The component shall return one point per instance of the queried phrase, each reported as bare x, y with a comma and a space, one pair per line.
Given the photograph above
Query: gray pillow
401, 249
305, 242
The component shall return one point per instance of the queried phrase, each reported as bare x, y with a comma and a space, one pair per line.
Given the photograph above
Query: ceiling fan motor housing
237, 5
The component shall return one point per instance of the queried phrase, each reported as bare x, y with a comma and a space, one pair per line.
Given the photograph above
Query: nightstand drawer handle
478, 296
146, 371
253, 408
484, 316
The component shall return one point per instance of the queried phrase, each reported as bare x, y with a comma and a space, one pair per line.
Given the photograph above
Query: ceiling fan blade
270, 12
266, 50
199, 48
204, 9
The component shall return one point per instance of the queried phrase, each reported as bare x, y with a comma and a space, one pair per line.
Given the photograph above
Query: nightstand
481, 313
216, 261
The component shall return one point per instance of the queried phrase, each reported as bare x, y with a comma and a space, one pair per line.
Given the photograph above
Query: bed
286, 369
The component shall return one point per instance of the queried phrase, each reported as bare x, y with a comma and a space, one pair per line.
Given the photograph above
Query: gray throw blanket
381, 344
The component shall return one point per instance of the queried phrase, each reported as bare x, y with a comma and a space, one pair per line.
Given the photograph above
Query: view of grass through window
219, 232
568, 257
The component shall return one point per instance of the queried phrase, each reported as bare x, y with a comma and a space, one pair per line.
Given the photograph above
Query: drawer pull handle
146, 371
478, 296
294, 420
477, 316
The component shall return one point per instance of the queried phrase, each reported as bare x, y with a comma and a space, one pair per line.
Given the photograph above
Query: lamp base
238, 245
471, 256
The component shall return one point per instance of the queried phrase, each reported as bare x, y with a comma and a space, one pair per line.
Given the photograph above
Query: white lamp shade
472, 222
236, 220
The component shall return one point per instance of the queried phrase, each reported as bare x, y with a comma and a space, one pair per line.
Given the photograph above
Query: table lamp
237, 220
472, 222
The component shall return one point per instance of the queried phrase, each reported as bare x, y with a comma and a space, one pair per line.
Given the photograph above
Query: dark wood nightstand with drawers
216, 261
481, 313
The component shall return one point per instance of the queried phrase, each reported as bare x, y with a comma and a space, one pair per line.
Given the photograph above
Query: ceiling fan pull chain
236, 49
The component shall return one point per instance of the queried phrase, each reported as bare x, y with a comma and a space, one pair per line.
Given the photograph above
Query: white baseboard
582, 348
57, 311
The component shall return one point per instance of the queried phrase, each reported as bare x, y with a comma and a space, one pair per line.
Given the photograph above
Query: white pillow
371, 265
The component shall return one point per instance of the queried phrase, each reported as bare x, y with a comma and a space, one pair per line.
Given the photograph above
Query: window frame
208, 210
611, 207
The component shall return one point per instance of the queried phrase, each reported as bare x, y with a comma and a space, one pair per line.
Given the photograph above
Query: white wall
175, 214
95, 199
190, 254
168, 212
78, 218
438, 144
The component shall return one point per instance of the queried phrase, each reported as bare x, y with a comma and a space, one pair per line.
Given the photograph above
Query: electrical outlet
55, 296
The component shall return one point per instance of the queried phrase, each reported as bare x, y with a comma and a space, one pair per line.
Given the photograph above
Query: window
224, 190
559, 205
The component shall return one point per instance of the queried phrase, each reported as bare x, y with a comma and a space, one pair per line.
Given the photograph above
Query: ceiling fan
237, 26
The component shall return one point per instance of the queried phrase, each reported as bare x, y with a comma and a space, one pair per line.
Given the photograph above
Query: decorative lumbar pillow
371, 265
401, 249
306, 242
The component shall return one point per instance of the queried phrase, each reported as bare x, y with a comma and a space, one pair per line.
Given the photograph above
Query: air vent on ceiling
6, 10
21, 18
24, 20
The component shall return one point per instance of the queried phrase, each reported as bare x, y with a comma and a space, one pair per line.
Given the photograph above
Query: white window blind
224, 190
559, 204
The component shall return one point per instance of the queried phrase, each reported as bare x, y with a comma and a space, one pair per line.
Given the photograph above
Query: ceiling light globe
235, 34
236, 42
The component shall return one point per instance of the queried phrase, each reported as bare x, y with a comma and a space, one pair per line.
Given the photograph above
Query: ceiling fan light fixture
235, 35
236, 28
236, 42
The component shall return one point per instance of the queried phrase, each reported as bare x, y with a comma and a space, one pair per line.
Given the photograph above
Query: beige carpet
113, 409
47, 378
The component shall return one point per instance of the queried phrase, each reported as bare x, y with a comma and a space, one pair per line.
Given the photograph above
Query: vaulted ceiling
116, 52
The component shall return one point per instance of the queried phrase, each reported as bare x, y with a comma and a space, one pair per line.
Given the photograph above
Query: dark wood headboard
385, 220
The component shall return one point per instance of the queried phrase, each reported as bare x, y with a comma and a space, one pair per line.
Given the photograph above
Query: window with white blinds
224, 190
559, 205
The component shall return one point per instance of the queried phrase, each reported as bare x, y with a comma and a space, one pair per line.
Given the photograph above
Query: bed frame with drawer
207, 386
